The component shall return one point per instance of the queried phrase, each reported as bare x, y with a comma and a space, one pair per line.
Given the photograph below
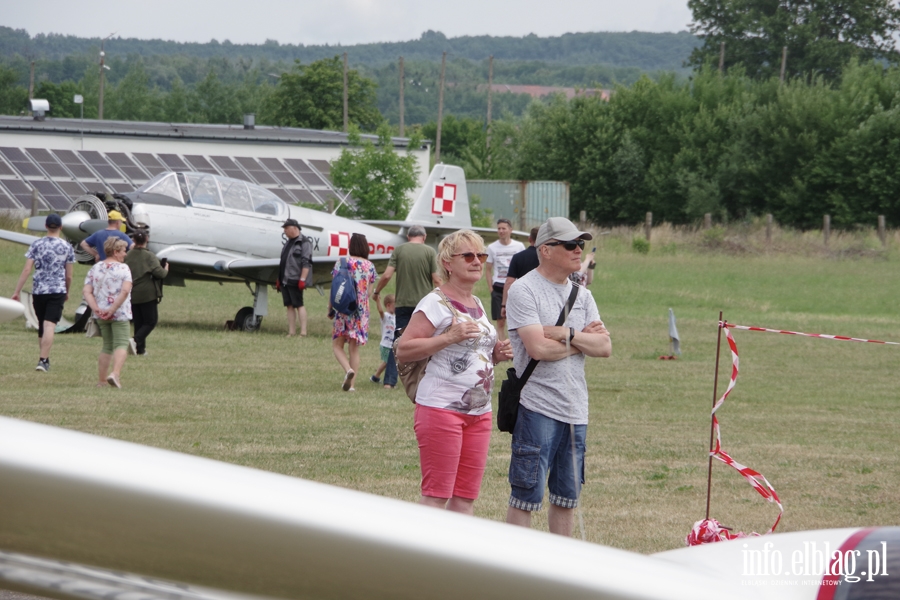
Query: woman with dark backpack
353, 329
147, 274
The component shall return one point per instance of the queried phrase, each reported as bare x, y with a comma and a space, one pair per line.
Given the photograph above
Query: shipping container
526, 203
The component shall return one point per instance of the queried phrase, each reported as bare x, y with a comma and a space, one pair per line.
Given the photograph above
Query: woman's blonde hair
450, 245
112, 245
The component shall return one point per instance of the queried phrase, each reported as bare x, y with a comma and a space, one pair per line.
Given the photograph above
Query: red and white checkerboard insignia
338, 244
444, 200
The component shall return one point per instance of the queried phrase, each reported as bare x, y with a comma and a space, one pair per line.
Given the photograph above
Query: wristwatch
571, 333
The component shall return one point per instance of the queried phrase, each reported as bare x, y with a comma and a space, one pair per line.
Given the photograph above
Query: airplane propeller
79, 224
76, 225
34, 223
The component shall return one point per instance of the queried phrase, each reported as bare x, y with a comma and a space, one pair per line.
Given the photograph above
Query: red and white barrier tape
709, 530
841, 338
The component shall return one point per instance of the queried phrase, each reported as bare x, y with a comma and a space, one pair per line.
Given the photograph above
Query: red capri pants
453, 451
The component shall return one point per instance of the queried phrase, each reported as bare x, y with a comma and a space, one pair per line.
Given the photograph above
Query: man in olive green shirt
416, 268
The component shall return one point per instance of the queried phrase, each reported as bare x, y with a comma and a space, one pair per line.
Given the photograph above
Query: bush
640, 245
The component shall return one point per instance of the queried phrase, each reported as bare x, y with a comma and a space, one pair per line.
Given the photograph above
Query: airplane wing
437, 230
199, 262
170, 517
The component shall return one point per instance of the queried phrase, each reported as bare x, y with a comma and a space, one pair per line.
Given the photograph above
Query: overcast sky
338, 21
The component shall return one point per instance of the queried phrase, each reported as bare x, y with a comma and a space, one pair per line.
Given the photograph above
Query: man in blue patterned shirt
52, 259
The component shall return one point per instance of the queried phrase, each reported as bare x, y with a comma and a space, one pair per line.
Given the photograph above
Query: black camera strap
563, 315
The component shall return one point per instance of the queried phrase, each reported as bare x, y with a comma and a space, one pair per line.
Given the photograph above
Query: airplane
100, 519
216, 228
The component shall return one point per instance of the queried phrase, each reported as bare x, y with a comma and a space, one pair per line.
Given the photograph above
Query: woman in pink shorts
453, 400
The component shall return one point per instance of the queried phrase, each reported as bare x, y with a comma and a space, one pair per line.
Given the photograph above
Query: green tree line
730, 145
644, 51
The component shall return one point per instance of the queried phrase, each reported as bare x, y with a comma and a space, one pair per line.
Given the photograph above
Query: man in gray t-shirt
553, 412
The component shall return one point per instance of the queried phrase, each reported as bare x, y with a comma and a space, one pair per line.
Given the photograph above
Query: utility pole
783, 62
489, 98
103, 67
31, 83
402, 129
346, 99
437, 142
721, 58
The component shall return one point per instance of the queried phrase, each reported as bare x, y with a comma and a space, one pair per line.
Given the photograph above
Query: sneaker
132, 347
43, 365
374, 379
113, 381
348, 380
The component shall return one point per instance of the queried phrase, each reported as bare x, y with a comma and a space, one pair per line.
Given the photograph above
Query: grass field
817, 417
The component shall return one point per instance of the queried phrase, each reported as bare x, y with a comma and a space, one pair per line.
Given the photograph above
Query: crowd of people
537, 296
123, 286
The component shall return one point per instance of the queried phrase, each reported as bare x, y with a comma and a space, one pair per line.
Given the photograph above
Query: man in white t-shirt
499, 255
553, 411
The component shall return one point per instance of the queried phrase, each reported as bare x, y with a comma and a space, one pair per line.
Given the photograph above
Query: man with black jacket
294, 273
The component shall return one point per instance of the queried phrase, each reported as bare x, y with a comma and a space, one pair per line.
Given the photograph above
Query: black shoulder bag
511, 388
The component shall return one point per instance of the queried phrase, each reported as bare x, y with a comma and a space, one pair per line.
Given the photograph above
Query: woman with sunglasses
453, 400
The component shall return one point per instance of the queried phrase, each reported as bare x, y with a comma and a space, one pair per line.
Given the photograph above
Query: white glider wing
168, 517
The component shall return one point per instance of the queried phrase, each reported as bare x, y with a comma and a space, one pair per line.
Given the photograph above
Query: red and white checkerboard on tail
442, 205
338, 244
443, 201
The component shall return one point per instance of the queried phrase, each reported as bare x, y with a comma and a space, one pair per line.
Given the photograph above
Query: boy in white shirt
388, 324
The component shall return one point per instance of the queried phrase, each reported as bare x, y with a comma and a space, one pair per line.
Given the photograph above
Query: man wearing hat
52, 258
93, 244
294, 274
553, 411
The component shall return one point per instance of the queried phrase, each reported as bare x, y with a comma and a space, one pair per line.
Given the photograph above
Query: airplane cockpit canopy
215, 191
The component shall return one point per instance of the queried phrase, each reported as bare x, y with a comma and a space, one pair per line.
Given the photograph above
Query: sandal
348, 380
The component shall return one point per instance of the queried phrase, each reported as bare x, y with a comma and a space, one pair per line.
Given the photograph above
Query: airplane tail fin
443, 201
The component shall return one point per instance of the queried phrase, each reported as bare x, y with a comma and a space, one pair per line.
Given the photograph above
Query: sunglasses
470, 256
568, 245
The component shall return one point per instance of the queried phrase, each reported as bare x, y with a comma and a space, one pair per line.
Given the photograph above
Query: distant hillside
636, 50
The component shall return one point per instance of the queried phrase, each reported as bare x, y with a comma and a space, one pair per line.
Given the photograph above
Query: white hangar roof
64, 158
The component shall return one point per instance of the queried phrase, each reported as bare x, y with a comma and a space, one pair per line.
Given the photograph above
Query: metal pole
346, 98
783, 62
489, 99
100, 105
437, 142
102, 76
712, 428
402, 127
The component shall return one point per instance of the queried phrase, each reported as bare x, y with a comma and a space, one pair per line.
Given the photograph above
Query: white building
65, 158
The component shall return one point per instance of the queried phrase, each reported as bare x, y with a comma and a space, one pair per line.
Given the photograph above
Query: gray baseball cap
562, 229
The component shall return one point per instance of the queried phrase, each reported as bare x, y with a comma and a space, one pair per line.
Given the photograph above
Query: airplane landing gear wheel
245, 321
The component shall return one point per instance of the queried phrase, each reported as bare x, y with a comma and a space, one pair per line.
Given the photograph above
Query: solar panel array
60, 176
